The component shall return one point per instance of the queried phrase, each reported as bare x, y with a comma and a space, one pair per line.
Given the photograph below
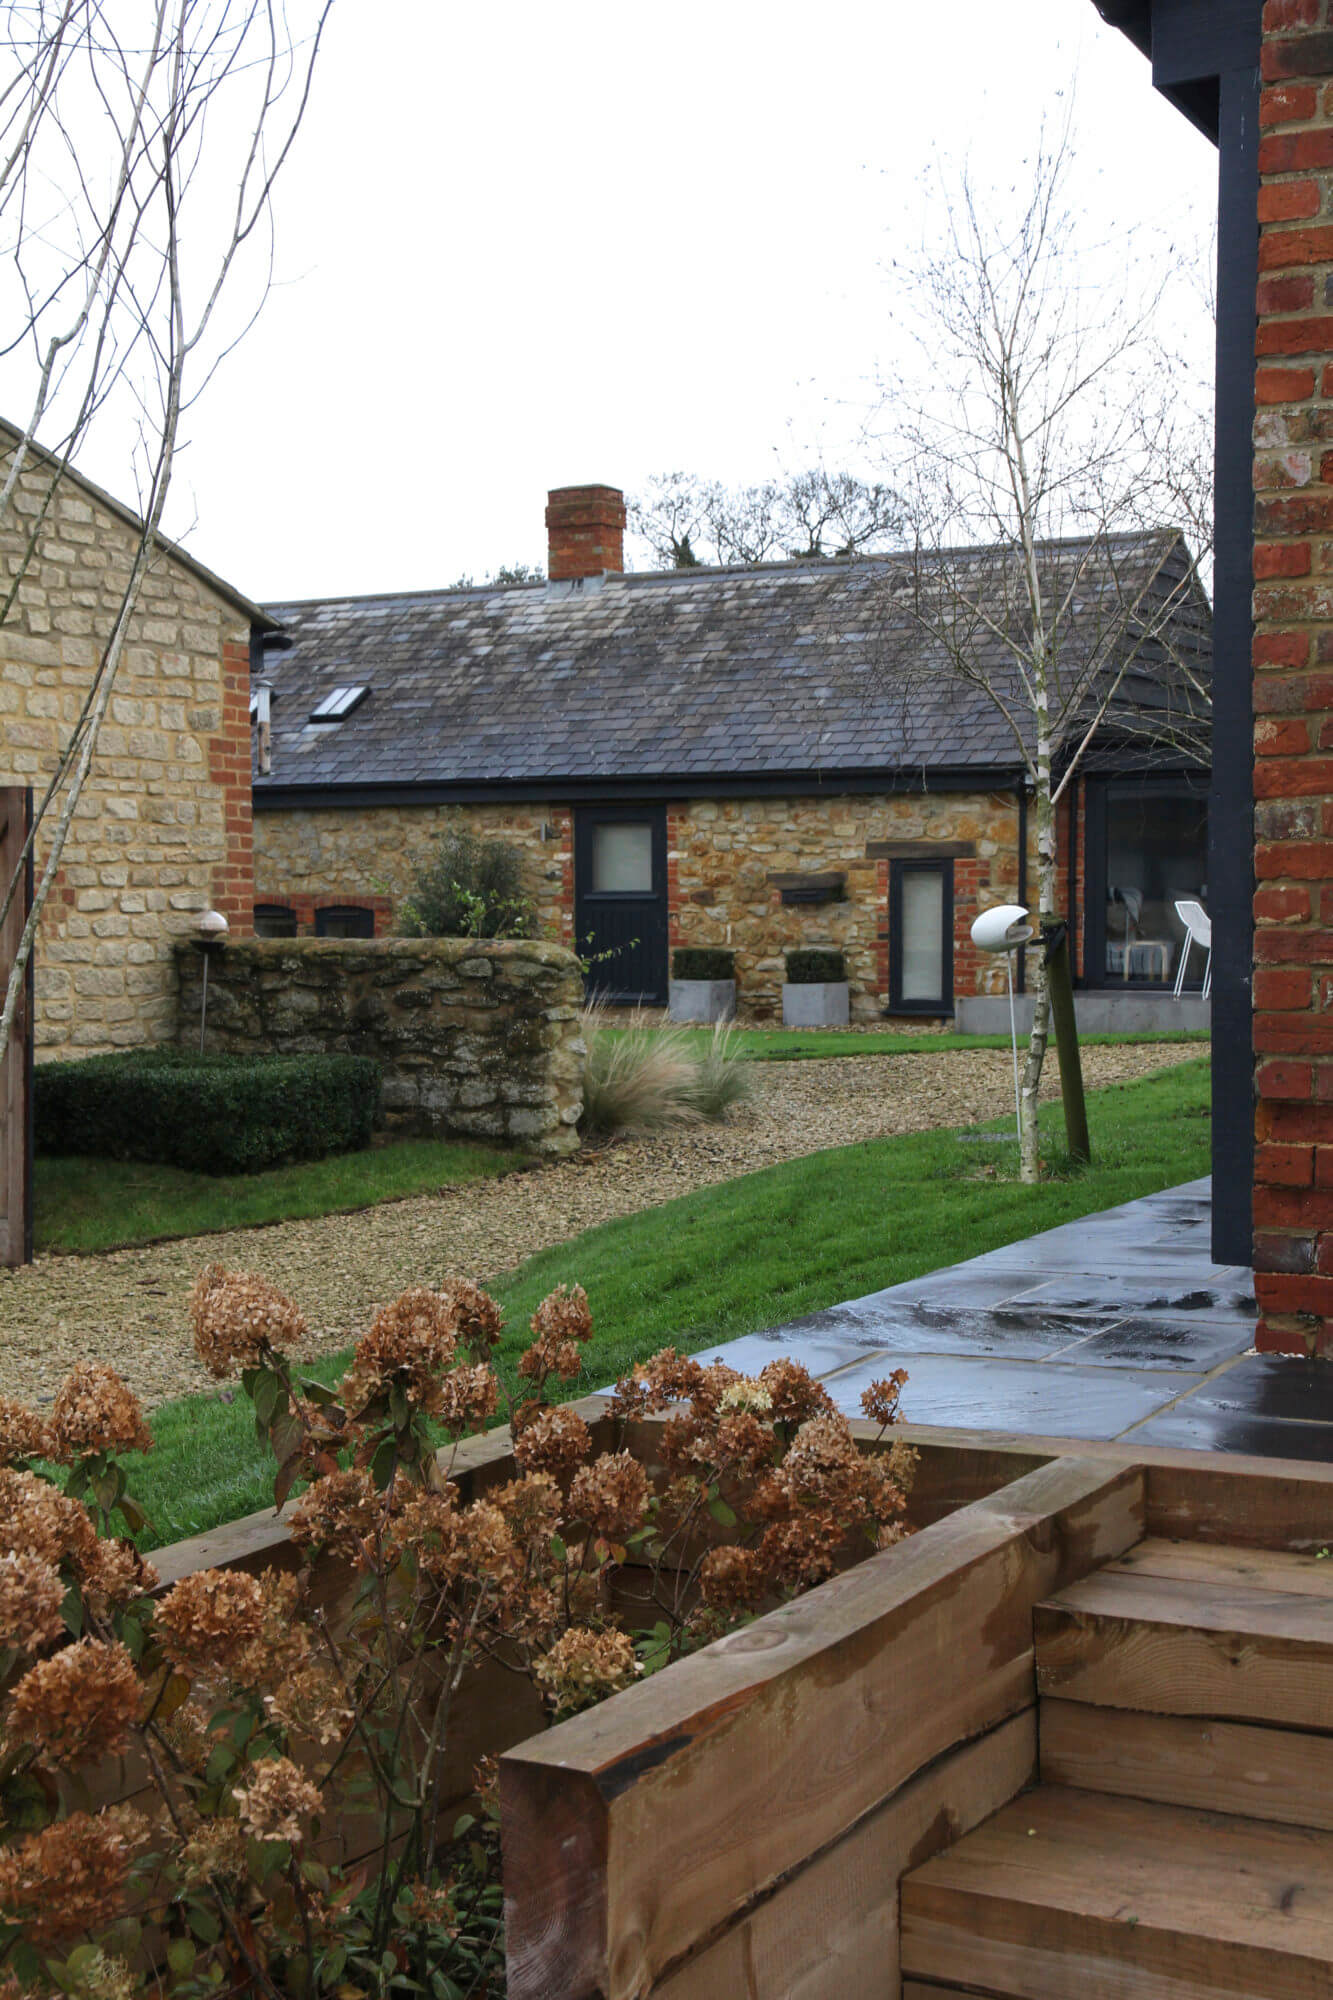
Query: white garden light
1006, 929
213, 928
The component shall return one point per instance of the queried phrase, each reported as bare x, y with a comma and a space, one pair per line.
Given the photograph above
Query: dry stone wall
163, 828
477, 1039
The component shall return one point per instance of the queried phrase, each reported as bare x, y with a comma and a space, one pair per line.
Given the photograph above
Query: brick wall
163, 828
1293, 684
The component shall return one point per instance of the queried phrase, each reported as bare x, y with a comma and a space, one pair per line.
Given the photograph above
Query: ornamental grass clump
310, 1829
643, 1077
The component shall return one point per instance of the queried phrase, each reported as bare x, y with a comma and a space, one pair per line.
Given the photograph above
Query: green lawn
83, 1205
798, 1044
751, 1253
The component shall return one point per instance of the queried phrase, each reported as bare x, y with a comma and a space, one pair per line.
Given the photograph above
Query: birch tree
1044, 434
140, 144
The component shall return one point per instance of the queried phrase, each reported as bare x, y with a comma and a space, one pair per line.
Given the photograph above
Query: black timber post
1231, 803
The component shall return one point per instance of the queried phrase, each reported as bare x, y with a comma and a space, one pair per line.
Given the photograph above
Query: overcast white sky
523, 246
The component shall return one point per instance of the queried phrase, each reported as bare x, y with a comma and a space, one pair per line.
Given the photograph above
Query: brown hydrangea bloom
469, 1397
584, 1666
413, 1341
743, 1444
342, 1512
71, 1876
794, 1392
880, 1401
555, 1441
77, 1705
215, 1852
23, 1434
477, 1318
611, 1494
113, 1575
712, 1385
685, 1443
560, 1325
455, 1546
276, 1800
312, 1703
823, 1468
37, 1520
731, 1579
244, 1628
95, 1411
31, 1595
532, 1506
237, 1317
799, 1553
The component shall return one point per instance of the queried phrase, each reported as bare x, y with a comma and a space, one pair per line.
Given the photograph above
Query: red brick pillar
1293, 684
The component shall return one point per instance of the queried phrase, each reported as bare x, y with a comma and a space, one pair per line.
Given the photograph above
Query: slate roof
781, 669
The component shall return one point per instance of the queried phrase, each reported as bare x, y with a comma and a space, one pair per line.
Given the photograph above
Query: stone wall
163, 828
478, 1040
721, 855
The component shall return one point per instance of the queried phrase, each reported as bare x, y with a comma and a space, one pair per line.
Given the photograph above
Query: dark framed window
274, 920
921, 937
1147, 850
346, 920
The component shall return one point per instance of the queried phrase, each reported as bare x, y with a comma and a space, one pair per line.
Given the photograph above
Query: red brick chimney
585, 531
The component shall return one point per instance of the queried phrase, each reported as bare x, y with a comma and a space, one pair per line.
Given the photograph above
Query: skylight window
338, 704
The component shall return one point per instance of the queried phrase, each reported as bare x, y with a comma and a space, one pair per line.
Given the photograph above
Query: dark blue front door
620, 901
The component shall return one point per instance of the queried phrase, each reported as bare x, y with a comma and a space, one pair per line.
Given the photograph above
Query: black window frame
943, 867
274, 910
345, 910
1096, 797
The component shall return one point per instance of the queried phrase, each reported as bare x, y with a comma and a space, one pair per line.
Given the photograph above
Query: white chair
1198, 930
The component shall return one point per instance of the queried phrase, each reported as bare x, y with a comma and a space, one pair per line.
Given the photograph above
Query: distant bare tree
139, 147
1051, 433
686, 521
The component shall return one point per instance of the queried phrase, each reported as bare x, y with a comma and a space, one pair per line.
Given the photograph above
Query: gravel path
127, 1306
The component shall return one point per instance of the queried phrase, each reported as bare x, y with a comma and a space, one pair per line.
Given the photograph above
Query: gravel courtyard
128, 1306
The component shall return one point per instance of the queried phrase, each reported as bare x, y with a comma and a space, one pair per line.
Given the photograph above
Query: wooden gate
16, 1069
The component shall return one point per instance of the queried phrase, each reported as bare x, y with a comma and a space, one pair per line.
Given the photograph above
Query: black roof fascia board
575, 791
1132, 17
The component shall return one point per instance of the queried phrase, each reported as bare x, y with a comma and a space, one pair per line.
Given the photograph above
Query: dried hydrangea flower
745, 1394
742, 1443
469, 1398
96, 1411
237, 1318
215, 1852
532, 1506
312, 1703
584, 1666
276, 1799
611, 1494
31, 1595
411, 1342
453, 1545
798, 1553
71, 1876
712, 1386
243, 1627
555, 1441
794, 1393
880, 1401
561, 1325
478, 1320
37, 1520
78, 1704
732, 1579
824, 1468
341, 1512
23, 1434
113, 1575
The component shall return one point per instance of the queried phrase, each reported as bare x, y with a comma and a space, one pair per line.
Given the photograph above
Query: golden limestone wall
722, 854
163, 829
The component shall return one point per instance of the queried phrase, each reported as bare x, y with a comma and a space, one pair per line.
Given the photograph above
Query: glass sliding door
1147, 850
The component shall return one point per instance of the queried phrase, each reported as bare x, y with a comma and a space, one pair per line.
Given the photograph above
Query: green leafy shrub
644, 1077
468, 887
815, 965
212, 1114
690, 961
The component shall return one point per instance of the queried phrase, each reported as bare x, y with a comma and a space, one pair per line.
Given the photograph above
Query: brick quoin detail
1293, 689
229, 768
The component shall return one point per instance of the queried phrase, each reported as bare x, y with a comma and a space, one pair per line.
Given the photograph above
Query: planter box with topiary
815, 994
703, 984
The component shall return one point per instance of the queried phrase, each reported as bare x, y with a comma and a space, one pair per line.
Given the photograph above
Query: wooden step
1184, 1629
1069, 1893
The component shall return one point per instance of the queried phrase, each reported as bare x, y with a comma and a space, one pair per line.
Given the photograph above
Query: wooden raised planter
738, 1824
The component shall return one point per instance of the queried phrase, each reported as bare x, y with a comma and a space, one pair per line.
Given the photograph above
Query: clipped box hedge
695, 961
212, 1114
815, 965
